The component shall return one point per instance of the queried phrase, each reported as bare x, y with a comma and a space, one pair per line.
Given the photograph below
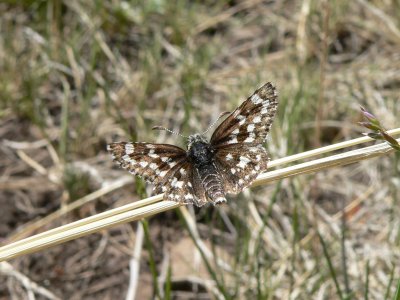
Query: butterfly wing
240, 164
184, 186
166, 166
237, 141
153, 162
250, 122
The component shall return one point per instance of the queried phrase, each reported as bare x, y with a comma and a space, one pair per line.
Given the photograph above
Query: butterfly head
196, 138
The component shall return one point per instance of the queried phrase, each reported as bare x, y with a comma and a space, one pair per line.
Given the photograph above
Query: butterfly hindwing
184, 186
240, 164
250, 122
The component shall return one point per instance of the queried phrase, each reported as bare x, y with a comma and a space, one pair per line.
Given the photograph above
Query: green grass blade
330, 265
152, 262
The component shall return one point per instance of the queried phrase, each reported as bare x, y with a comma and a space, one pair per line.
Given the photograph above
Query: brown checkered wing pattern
152, 162
237, 142
166, 166
250, 122
184, 186
240, 164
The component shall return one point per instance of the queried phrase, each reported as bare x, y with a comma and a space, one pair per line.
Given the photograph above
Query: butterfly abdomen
212, 183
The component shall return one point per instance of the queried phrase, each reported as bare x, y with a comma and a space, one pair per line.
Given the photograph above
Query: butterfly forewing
239, 154
153, 162
165, 166
250, 122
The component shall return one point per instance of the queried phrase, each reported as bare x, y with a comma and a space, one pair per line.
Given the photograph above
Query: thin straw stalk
30, 227
153, 205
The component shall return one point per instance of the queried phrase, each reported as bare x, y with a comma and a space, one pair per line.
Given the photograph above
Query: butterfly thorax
199, 150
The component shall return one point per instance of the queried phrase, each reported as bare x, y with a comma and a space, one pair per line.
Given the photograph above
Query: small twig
32, 163
164, 273
134, 263
7, 269
30, 227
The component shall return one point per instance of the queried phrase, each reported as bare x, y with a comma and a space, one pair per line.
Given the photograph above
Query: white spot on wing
264, 110
174, 181
179, 184
150, 146
242, 119
129, 149
257, 119
188, 196
143, 164
236, 131
233, 140
265, 107
229, 157
233, 171
256, 99
153, 166
249, 139
162, 174
243, 162
250, 128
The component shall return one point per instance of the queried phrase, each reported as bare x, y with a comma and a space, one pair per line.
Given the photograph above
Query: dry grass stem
30, 286
326, 149
30, 227
153, 205
134, 263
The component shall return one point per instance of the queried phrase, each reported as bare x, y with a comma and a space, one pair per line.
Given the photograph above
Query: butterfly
207, 170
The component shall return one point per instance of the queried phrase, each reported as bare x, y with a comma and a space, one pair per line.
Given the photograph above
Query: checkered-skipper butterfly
207, 170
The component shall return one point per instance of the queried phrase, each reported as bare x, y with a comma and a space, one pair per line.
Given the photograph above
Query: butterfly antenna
169, 130
220, 116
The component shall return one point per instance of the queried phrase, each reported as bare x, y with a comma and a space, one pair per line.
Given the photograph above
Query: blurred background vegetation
76, 75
